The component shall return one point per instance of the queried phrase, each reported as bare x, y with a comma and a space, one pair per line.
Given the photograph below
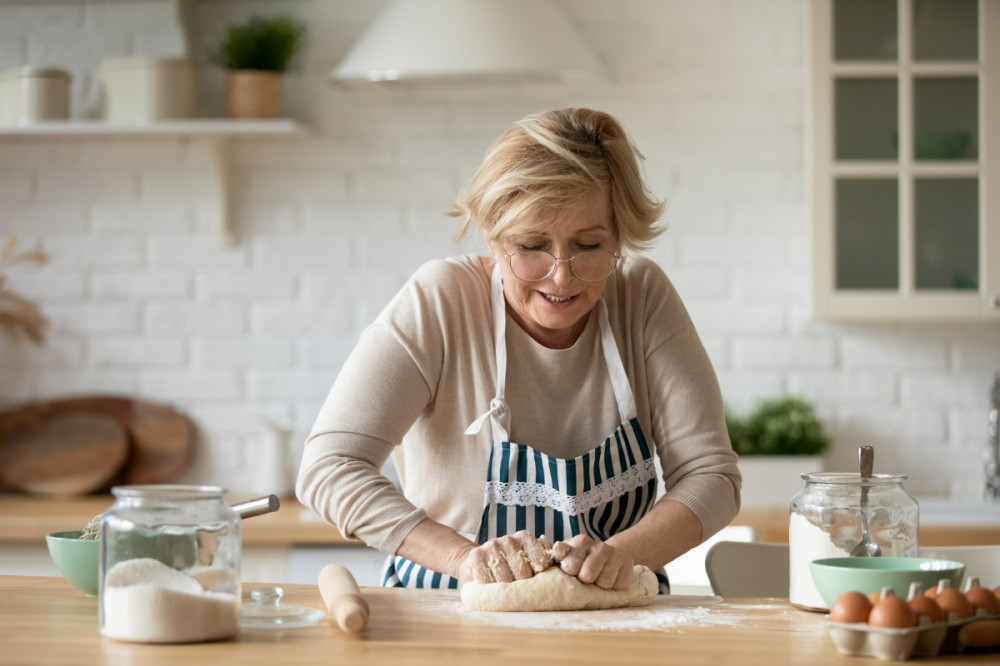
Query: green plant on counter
780, 427
270, 44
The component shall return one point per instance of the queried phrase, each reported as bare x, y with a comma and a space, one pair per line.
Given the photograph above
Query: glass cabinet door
906, 225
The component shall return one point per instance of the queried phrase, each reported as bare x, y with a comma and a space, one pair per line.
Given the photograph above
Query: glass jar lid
268, 611
853, 479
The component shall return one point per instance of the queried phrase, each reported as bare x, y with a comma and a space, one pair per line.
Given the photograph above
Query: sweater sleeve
382, 389
375, 398
686, 411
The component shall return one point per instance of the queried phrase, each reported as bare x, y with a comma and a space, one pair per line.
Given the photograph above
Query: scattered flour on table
666, 612
146, 601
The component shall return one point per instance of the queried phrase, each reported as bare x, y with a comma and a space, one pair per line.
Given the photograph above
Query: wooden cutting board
160, 440
69, 453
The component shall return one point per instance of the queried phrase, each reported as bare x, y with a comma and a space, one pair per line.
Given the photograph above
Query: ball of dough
553, 590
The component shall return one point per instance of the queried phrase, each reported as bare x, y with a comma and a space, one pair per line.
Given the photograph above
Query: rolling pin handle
343, 598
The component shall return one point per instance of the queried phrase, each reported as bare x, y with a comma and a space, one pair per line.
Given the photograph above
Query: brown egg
892, 612
952, 601
931, 592
850, 607
875, 596
925, 606
981, 597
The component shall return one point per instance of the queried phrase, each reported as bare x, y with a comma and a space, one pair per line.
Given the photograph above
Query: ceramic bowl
75, 558
834, 576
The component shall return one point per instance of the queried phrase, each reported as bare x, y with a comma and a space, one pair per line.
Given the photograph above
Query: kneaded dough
553, 590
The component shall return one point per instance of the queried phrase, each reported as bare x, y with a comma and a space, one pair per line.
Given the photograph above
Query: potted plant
779, 440
256, 55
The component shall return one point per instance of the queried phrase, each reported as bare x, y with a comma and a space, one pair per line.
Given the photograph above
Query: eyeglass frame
556, 261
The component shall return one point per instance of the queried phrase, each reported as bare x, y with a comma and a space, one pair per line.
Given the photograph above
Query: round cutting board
71, 453
159, 440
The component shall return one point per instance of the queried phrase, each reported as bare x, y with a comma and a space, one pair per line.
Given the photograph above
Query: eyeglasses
536, 265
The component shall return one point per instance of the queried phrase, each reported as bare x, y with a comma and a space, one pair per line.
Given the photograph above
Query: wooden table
46, 621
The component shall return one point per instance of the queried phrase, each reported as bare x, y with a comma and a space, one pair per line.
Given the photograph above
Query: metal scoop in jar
866, 547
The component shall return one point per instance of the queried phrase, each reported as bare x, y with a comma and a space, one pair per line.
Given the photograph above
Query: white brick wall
144, 299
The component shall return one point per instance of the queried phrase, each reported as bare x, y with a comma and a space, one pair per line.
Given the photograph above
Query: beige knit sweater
425, 369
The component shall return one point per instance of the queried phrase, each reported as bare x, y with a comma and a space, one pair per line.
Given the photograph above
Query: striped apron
606, 490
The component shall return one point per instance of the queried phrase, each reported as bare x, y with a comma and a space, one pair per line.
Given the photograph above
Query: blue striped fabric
601, 493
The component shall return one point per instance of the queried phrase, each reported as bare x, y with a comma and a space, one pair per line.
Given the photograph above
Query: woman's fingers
515, 558
508, 558
539, 552
594, 562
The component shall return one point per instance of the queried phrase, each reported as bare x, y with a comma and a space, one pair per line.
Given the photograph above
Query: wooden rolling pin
343, 598
980, 634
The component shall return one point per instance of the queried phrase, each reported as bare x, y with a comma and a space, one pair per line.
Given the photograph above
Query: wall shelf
218, 133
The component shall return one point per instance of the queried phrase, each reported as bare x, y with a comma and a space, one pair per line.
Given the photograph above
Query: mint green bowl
75, 558
836, 575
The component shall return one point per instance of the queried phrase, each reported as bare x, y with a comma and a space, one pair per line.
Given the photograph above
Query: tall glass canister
170, 565
825, 521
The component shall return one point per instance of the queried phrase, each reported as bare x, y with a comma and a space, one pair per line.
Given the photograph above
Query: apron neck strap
498, 413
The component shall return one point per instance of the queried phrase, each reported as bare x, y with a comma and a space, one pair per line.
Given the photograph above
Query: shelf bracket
219, 151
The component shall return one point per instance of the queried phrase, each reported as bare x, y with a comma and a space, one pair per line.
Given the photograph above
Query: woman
549, 373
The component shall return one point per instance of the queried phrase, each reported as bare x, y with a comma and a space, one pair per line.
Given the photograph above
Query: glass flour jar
170, 565
825, 521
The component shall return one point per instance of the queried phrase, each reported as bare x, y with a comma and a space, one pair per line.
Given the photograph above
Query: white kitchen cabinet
905, 186
217, 133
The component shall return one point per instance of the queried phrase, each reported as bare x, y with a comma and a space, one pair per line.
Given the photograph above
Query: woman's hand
506, 559
594, 562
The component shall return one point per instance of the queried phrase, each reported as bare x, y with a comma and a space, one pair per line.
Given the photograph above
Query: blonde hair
545, 162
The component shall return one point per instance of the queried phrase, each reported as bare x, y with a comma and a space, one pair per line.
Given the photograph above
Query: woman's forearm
669, 530
436, 547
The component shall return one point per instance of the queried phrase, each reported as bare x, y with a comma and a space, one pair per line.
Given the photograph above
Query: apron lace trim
523, 493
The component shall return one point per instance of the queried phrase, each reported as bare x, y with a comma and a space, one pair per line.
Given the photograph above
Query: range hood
460, 41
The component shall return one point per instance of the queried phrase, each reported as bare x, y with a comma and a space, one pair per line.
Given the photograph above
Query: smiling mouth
557, 299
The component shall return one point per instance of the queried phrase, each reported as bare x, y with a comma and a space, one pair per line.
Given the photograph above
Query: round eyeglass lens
594, 265
589, 266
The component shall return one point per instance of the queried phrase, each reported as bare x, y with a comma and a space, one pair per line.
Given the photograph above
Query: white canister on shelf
34, 94
139, 89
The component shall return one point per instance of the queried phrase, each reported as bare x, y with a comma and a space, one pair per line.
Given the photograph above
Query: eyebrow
544, 234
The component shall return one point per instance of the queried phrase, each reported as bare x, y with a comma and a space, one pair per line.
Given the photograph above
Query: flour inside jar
808, 542
144, 600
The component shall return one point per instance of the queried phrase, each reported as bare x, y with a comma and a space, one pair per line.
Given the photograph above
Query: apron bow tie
497, 408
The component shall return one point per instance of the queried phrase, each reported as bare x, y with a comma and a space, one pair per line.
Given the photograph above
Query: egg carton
928, 639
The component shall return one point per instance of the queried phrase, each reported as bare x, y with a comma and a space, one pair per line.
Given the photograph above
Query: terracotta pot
254, 94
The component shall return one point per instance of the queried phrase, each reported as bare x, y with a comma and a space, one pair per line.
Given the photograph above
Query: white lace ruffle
521, 493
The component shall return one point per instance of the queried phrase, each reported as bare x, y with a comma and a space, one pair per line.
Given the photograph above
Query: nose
562, 274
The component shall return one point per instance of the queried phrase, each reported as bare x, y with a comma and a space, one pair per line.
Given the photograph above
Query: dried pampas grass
19, 316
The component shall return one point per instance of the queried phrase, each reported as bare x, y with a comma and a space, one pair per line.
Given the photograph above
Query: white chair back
982, 562
739, 569
687, 572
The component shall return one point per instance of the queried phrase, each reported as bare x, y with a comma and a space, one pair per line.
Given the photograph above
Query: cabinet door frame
905, 303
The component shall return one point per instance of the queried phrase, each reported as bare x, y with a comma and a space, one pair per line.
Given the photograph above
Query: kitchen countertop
27, 519
958, 528
46, 621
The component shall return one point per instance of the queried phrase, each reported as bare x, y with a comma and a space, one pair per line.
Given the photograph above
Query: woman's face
554, 311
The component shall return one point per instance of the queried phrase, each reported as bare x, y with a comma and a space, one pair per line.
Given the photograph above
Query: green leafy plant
779, 427
261, 43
